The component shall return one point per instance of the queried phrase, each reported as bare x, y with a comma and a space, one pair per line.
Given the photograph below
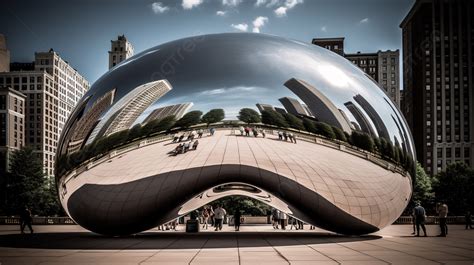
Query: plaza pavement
253, 245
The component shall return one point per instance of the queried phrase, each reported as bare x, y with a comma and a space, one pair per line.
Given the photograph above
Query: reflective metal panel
127, 121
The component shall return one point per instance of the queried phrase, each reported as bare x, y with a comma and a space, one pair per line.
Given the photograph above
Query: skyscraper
52, 90
261, 107
438, 69
293, 106
12, 125
382, 66
120, 50
4, 55
322, 108
177, 110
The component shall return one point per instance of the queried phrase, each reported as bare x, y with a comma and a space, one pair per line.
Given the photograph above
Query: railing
15, 220
431, 220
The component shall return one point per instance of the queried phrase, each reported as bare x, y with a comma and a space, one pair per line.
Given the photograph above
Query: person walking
294, 137
205, 218
195, 144
25, 220
275, 218
200, 133
283, 220
292, 222
280, 135
420, 215
241, 129
219, 214
237, 216
212, 131
175, 138
468, 220
442, 210
262, 131
300, 225
247, 131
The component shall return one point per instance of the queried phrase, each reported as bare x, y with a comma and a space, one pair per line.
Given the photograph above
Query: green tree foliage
293, 121
189, 119
325, 130
213, 116
135, 132
309, 125
339, 134
246, 205
422, 190
248, 115
362, 140
455, 187
27, 185
272, 117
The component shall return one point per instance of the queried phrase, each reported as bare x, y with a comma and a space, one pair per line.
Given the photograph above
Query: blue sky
81, 30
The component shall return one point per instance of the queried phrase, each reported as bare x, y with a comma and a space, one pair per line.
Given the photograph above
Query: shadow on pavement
173, 240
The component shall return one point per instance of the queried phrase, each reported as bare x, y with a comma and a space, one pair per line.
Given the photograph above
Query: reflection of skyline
134, 103
89, 120
177, 110
244, 69
321, 106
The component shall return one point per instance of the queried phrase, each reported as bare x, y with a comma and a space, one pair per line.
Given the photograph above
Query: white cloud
258, 23
237, 90
231, 3
289, 4
324, 29
260, 2
241, 27
189, 4
365, 20
221, 13
159, 8
281, 11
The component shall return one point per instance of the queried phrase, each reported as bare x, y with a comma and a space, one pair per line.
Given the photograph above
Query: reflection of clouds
236, 91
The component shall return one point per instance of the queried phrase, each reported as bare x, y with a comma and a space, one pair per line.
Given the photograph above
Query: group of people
184, 147
279, 218
215, 216
188, 135
255, 131
287, 136
172, 225
419, 218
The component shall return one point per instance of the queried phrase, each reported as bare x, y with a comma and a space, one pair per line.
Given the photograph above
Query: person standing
237, 216
219, 214
468, 219
283, 220
442, 210
419, 214
205, 218
241, 129
275, 218
25, 220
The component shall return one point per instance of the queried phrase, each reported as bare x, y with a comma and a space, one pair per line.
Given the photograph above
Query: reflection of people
442, 210
25, 220
420, 215
275, 218
219, 214
195, 144
237, 217
241, 129
205, 217
283, 220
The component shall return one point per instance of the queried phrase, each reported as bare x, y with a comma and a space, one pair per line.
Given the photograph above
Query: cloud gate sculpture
187, 122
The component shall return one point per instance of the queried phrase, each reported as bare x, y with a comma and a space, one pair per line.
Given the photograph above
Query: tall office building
121, 49
177, 110
293, 106
261, 107
4, 55
12, 125
52, 90
438, 49
382, 66
323, 109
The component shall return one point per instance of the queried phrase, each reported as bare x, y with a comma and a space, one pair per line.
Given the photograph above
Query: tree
164, 124
339, 134
362, 140
293, 121
189, 119
455, 187
325, 130
134, 132
422, 189
248, 115
246, 205
27, 185
272, 117
213, 116
309, 125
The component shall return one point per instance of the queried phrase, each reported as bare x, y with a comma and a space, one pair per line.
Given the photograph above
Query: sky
80, 31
